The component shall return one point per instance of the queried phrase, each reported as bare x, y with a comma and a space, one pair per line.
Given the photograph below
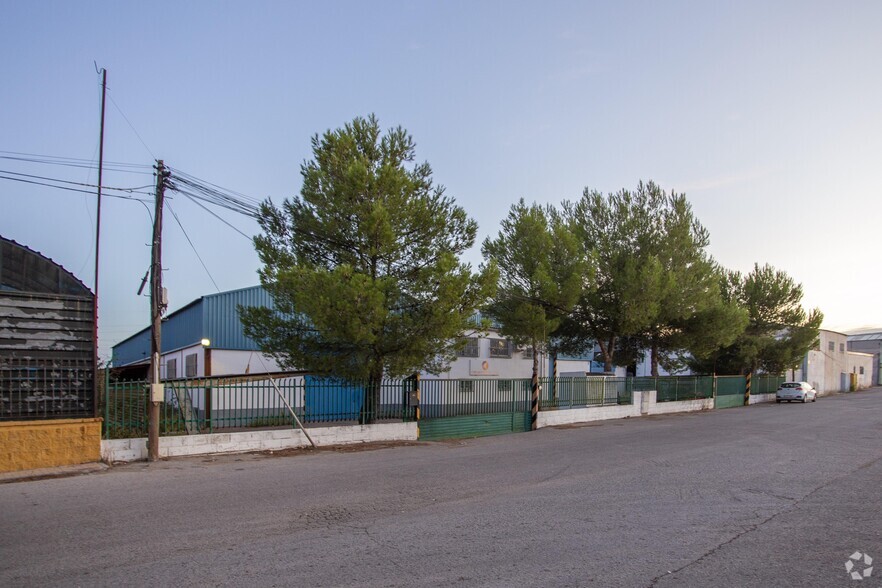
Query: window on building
190, 366
831, 346
527, 352
862, 370
470, 349
171, 369
465, 385
504, 385
500, 348
842, 348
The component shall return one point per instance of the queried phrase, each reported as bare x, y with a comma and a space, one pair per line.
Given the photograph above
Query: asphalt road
768, 495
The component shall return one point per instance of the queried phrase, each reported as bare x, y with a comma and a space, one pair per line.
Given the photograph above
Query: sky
765, 114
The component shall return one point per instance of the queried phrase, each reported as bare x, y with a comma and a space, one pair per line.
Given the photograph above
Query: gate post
747, 390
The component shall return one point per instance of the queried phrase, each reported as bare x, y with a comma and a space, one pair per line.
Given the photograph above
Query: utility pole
97, 245
157, 307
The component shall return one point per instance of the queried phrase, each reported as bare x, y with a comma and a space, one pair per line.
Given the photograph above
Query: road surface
758, 496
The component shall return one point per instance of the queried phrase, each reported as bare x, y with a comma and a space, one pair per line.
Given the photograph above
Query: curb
48, 473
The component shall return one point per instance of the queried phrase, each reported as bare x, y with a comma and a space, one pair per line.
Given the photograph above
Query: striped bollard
534, 403
747, 391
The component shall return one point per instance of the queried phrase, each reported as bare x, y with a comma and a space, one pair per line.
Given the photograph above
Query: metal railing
205, 405
576, 392
445, 398
45, 389
675, 388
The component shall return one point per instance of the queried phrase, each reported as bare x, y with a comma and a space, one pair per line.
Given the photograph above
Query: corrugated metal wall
214, 316
181, 329
221, 318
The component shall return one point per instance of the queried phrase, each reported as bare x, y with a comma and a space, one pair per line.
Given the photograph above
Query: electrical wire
218, 217
137, 134
129, 190
2, 177
199, 257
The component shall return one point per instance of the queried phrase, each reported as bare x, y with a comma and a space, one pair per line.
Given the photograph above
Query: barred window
842, 348
500, 348
527, 352
504, 385
831, 346
171, 369
465, 385
190, 365
470, 349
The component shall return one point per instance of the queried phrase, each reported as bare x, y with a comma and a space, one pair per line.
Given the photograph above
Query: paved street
758, 496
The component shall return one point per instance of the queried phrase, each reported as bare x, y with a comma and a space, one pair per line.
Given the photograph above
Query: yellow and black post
747, 390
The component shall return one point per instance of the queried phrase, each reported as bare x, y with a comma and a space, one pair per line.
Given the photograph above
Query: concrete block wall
124, 450
29, 445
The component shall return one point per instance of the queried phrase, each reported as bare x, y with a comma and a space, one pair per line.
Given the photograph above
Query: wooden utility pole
157, 307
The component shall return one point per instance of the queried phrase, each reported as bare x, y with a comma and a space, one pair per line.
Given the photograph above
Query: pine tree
364, 265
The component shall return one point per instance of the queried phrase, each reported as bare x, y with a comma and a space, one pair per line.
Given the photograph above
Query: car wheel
805, 398
815, 398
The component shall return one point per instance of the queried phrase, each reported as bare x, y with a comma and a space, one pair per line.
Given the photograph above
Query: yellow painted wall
28, 445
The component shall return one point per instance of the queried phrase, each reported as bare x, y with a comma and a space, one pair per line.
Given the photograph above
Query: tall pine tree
364, 265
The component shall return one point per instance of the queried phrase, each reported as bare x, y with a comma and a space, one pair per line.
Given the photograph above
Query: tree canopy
364, 265
542, 272
656, 285
779, 331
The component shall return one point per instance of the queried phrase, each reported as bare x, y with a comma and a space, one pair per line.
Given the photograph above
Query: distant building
870, 343
204, 338
830, 365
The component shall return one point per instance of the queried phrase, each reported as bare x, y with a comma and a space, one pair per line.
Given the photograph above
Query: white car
791, 391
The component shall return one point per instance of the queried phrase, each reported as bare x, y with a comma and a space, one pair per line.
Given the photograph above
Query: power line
199, 257
137, 134
2, 177
212, 213
129, 190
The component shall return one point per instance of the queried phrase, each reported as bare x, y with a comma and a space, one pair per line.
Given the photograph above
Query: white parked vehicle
801, 391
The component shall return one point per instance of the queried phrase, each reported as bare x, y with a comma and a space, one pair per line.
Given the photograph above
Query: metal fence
675, 388
45, 389
446, 398
576, 392
206, 405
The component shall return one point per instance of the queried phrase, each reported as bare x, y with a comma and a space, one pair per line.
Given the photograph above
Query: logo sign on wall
482, 367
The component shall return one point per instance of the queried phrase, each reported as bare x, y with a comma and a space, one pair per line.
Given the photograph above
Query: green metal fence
674, 388
447, 398
206, 405
577, 392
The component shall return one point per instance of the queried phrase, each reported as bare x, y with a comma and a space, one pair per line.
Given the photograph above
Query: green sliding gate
730, 391
456, 409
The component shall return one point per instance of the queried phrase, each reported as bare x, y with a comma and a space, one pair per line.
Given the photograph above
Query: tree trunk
608, 354
370, 408
653, 358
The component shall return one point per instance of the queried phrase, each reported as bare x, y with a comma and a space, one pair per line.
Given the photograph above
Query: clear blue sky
766, 114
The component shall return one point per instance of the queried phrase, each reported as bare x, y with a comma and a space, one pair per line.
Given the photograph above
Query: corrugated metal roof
214, 316
23, 269
866, 337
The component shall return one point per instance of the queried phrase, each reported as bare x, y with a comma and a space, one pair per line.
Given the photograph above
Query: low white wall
757, 398
642, 403
550, 418
680, 406
117, 450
